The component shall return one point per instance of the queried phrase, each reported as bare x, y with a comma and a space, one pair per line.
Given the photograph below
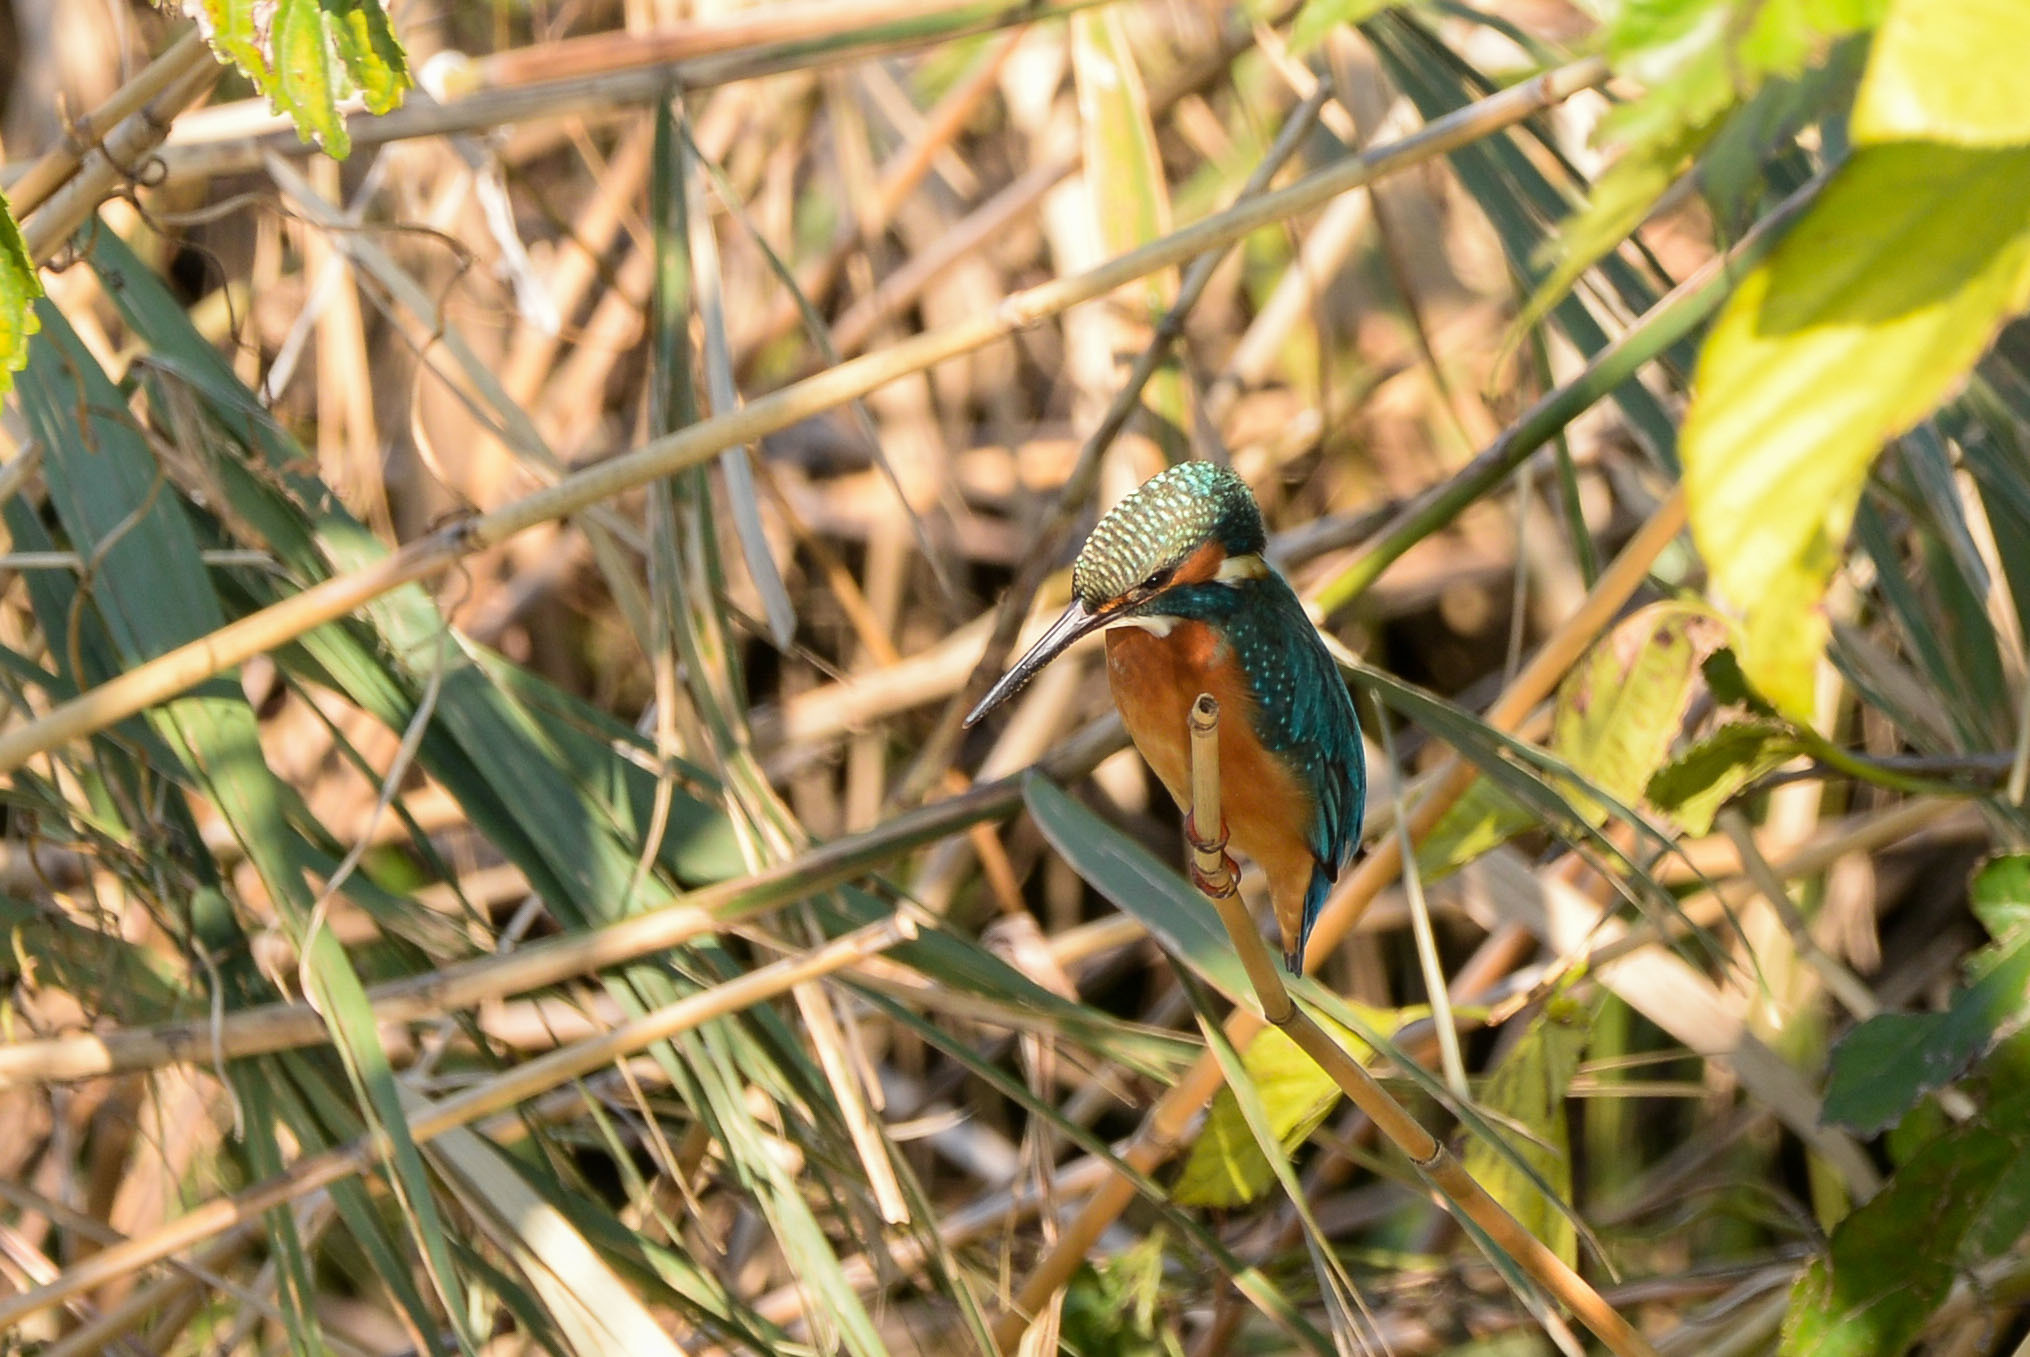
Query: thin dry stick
60, 162
511, 1087
518, 87
1162, 1130
1426, 1151
70, 202
188, 665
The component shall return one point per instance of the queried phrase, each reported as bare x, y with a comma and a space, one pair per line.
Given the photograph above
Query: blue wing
1321, 734
1303, 709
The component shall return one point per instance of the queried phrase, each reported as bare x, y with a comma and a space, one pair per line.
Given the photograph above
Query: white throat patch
1155, 626
1248, 567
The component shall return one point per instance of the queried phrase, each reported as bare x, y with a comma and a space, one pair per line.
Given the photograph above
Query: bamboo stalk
1163, 1128
1430, 1155
509, 1088
183, 668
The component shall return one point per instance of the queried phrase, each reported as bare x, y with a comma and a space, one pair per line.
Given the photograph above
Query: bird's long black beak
1075, 622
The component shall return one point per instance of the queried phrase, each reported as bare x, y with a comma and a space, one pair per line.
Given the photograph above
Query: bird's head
1194, 523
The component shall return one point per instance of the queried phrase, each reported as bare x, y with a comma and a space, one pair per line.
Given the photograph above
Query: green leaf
1699, 57
20, 286
1481, 820
1226, 1167
1692, 787
1946, 71
1177, 916
1619, 710
2000, 894
153, 592
1616, 716
1316, 20
1882, 1067
308, 56
372, 55
1621, 200
1965, 1196
1527, 1089
1113, 1308
1867, 312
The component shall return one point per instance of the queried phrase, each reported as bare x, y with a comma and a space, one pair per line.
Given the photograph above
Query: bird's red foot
1227, 879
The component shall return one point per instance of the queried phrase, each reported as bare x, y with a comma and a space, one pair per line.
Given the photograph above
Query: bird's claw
1226, 880
1220, 883
1199, 841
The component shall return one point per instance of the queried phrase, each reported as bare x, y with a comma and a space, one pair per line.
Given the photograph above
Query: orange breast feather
1268, 809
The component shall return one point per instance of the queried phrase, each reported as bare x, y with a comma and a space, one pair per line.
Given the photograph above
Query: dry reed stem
510, 1087
1430, 1155
188, 665
1163, 1128
116, 158
235, 138
28, 192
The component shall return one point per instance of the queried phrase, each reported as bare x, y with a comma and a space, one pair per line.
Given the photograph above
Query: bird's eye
1159, 579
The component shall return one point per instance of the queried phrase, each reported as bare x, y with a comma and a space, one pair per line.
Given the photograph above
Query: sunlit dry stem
505, 1090
1426, 1151
188, 665
55, 167
185, 73
1163, 1129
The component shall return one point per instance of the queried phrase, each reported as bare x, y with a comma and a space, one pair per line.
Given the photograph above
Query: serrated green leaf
1316, 20
1619, 710
1692, 787
306, 85
1528, 1089
1875, 303
307, 56
1226, 1167
373, 57
231, 26
1946, 71
1617, 713
1965, 1195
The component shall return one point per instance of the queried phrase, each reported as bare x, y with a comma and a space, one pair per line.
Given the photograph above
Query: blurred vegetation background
507, 504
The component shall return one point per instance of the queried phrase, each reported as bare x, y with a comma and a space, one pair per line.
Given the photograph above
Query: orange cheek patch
1200, 566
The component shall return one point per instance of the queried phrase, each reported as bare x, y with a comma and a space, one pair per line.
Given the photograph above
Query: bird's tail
1314, 901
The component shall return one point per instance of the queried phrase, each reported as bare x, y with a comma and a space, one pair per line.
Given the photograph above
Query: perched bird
1176, 577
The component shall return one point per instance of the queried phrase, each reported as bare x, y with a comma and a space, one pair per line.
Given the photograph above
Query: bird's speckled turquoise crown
1164, 521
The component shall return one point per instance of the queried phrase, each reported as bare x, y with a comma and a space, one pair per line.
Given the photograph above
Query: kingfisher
1176, 578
